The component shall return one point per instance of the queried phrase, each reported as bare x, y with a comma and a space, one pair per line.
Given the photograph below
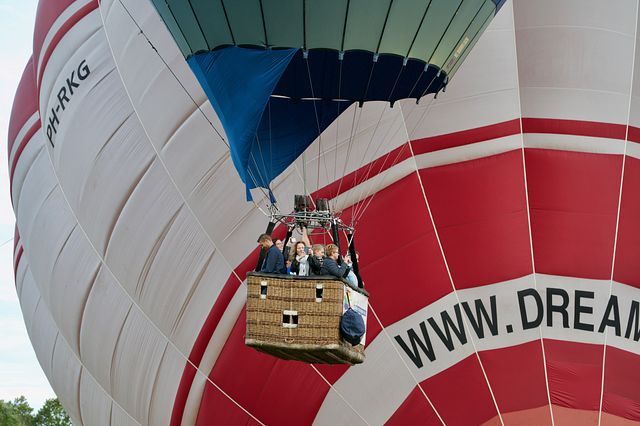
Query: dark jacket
331, 267
315, 265
274, 262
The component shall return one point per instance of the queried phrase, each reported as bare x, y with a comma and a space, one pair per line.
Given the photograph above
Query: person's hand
347, 259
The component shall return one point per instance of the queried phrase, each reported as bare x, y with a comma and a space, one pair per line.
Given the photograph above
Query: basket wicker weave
298, 318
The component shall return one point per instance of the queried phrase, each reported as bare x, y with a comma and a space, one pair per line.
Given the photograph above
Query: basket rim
306, 278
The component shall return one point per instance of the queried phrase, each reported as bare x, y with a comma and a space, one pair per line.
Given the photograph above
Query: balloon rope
361, 200
354, 125
377, 319
404, 362
615, 240
453, 286
6, 242
304, 173
389, 98
270, 136
184, 89
175, 76
335, 149
264, 179
256, 182
370, 198
526, 194
373, 157
350, 145
315, 110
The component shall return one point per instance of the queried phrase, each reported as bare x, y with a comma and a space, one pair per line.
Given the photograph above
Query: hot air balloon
278, 89
496, 224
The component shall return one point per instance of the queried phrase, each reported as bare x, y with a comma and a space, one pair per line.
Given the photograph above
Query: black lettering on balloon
448, 325
71, 84
50, 134
64, 96
415, 341
612, 307
561, 308
526, 322
634, 321
83, 70
481, 312
581, 309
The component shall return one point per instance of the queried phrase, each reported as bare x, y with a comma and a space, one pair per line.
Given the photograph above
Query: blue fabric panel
499, 4
266, 134
238, 83
287, 128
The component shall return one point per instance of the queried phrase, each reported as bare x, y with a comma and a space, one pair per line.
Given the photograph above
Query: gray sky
20, 373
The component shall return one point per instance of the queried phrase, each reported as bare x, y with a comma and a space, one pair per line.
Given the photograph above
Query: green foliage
19, 413
16, 413
52, 414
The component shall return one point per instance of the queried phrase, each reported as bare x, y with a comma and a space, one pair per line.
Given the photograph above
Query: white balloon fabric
497, 230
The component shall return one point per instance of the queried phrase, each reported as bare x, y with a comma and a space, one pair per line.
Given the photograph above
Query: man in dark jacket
274, 260
330, 263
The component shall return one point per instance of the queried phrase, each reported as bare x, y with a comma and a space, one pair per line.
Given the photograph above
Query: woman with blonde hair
330, 266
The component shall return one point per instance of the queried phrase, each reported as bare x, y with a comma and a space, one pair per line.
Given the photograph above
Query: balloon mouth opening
357, 76
322, 74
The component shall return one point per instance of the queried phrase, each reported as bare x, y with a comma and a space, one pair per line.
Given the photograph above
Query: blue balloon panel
274, 103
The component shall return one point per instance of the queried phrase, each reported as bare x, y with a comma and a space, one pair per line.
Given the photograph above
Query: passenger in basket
351, 277
300, 256
285, 250
274, 260
315, 261
330, 266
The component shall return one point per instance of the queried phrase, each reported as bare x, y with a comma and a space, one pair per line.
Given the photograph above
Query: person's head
298, 249
279, 244
318, 250
265, 241
332, 251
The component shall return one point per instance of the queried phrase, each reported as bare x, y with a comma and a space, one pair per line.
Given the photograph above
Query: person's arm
344, 270
305, 237
335, 270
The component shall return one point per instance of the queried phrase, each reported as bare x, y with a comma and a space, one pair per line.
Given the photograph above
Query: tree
19, 413
52, 414
16, 412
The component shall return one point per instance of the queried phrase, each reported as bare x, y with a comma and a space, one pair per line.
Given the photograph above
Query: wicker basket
298, 318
